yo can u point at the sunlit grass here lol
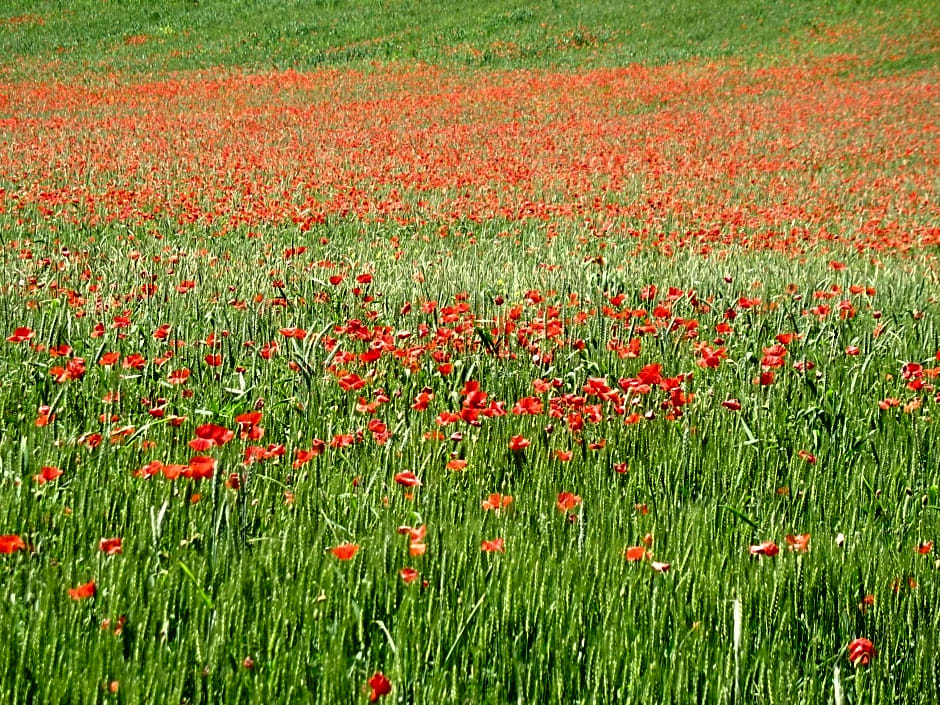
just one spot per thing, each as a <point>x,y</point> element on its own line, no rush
<point>490,379</point>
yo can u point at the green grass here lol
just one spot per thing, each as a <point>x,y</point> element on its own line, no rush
<point>93,36</point>
<point>561,616</point>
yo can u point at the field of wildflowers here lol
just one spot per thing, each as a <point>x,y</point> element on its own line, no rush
<point>529,362</point>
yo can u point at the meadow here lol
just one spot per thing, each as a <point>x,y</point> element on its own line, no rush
<point>502,353</point>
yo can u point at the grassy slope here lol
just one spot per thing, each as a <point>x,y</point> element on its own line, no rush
<point>91,34</point>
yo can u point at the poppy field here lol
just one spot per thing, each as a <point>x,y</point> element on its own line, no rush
<point>530,356</point>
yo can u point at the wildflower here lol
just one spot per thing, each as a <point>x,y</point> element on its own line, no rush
<point>495,502</point>
<point>380,686</point>
<point>201,467</point>
<point>177,376</point>
<point>209,435</point>
<point>407,478</point>
<point>567,501</point>
<point>83,592</point>
<point>11,543</point>
<point>111,547</point>
<point>861,651</point>
<point>20,335</point>
<point>493,545</point>
<point>344,551</point>
<point>518,443</point>
<point>47,474</point>
<point>768,548</point>
<point>798,542</point>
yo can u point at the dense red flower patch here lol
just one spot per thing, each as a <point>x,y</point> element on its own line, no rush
<point>704,154</point>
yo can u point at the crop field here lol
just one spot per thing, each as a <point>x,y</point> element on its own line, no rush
<point>536,352</point>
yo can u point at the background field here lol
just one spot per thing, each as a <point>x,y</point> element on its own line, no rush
<point>665,275</point>
<point>184,34</point>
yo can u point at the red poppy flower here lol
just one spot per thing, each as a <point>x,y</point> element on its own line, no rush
<point>925,547</point>
<point>768,548</point>
<point>531,406</point>
<point>380,685</point>
<point>493,545</point>
<point>249,418</point>
<point>408,575</point>
<point>298,333</point>
<point>175,470</point>
<point>201,467</point>
<point>177,376</point>
<point>135,361</point>
<point>798,542</point>
<point>495,502</point>
<point>109,358</point>
<point>866,602</point>
<point>302,456</point>
<point>567,501</point>
<point>417,548</point>
<point>766,378</point>
<point>518,443</point>
<point>268,350</point>
<point>44,416</point>
<point>861,651</point>
<point>11,543</point>
<point>48,474</point>
<point>414,533</point>
<point>636,553</point>
<point>342,440</point>
<point>456,464</point>
<point>807,456</point>
<point>112,547</point>
<point>407,479</point>
<point>201,445</point>
<point>20,335</point>
<point>345,551</point>
<point>215,435</point>
<point>74,369</point>
<point>83,592</point>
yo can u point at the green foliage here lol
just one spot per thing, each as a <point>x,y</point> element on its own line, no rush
<point>91,35</point>
<point>561,616</point>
